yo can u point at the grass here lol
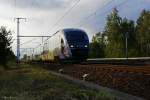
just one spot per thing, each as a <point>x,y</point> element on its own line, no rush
<point>27,82</point>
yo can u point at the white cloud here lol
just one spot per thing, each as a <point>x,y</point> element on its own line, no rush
<point>38,4</point>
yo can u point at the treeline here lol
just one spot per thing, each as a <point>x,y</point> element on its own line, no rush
<point>6,53</point>
<point>112,41</point>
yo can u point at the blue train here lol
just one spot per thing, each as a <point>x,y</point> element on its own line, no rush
<point>65,45</point>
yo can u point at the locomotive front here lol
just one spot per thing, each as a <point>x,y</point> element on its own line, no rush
<point>78,43</point>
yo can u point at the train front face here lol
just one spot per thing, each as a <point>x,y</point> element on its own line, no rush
<point>78,42</point>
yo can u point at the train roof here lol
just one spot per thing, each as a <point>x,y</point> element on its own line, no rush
<point>72,29</point>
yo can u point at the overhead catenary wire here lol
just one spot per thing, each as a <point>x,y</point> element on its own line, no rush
<point>71,9</point>
<point>28,41</point>
<point>61,18</point>
<point>64,15</point>
<point>94,13</point>
<point>84,22</point>
<point>120,4</point>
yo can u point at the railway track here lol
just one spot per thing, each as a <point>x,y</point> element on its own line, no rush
<point>132,76</point>
<point>143,69</point>
<point>129,61</point>
<point>132,79</point>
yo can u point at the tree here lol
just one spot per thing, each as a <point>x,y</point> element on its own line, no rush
<point>5,46</point>
<point>97,46</point>
<point>117,29</point>
<point>143,33</point>
<point>114,47</point>
<point>128,30</point>
<point>24,57</point>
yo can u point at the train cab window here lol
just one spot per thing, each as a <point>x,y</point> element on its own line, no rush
<point>76,36</point>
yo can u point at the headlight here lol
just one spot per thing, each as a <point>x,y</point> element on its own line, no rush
<point>71,46</point>
<point>85,46</point>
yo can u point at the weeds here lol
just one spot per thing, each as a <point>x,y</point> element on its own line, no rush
<point>33,83</point>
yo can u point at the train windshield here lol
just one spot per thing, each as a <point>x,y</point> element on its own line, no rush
<point>76,36</point>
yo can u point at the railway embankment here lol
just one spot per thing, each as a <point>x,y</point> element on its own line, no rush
<point>131,79</point>
<point>30,82</point>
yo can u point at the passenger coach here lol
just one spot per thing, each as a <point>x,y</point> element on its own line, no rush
<point>66,44</point>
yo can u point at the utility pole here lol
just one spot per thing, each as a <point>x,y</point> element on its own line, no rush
<point>127,35</point>
<point>18,39</point>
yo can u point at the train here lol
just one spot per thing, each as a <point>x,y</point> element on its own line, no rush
<point>64,46</point>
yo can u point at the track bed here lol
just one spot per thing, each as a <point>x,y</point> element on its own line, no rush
<point>132,79</point>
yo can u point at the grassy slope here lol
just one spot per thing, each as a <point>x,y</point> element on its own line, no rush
<point>34,83</point>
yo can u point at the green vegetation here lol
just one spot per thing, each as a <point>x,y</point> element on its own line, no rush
<point>112,41</point>
<point>143,33</point>
<point>6,53</point>
<point>33,83</point>
<point>97,46</point>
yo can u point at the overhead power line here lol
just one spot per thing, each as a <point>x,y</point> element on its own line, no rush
<point>28,41</point>
<point>18,39</point>
<point>33,38</point>
<point>85,22</point>
<point>94,13</point>
<point>120,4</point>
<point>64,15</point>
<point>60,19</point>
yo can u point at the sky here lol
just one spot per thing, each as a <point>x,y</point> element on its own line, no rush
<point>45,17</point>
